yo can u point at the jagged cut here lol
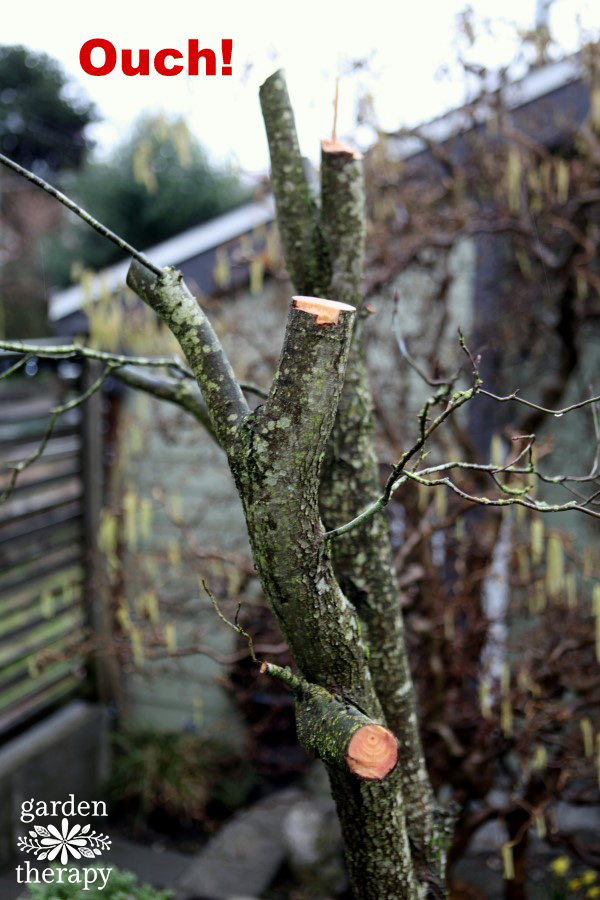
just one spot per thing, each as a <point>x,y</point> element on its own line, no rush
<point>329,146</point>
<point>372,752</point>
<point>326,312</point>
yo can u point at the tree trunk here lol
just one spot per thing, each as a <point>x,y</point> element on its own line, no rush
<point>349,647</point>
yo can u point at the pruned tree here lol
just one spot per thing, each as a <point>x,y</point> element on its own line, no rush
<point>305,465</point>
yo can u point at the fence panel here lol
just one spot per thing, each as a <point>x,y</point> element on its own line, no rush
<point>44,533</point>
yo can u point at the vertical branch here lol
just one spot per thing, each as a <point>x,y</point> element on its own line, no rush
<point>350,482</point>
<point>296,212</point>
<point>343,219</point>
<point>350,478</point>
<point>277,469</point>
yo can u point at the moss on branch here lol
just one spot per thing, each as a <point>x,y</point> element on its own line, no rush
<point>169,297</point>
<point>297,215</point>
<point>334,730</point>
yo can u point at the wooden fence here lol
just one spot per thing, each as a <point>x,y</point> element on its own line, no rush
<point>47,535</point>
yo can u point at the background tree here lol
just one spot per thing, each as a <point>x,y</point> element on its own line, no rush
<point>155,184</point>
<point>42,117</point>
<point>43,122</point>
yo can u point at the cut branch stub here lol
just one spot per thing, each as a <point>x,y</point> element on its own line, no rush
<point>326,312</point>
<point>372,752</point>
<point>329,146</point>
<point>341,735</point>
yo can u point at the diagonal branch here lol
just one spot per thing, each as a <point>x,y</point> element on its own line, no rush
<point>171,300</point>
<point>79,211</point>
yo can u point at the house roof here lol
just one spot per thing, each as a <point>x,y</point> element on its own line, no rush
<point>203,238</point>
<point>537,83</point>
<point>173,252</point>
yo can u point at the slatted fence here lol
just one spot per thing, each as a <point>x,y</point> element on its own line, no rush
<point>44,610</point>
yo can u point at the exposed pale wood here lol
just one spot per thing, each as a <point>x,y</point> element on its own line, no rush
<point>329,146</point>
<point>372,752</point>
<point>326,312</point>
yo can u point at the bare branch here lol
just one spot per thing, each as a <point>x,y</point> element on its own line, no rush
<point>550,412</point>
<point>69,351</point>
<point>296,211</point>
<point>90,220</point>
<point>235,625</point>
<point>402,346</point>
<point>170,298</point>
<point>16,366</point>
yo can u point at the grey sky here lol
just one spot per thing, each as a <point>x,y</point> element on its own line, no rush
<point>407,44</point>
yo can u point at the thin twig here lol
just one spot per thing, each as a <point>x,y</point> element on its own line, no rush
<point>82,213</point>
<point>68,351</point>
<point>551,412</point>
<point>54,414</point>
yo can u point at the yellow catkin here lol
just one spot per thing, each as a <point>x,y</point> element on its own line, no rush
<point>595,104</point>
<point>497,451</point>
<point>152,607</point>
<point>273,248</point>
<point>587,734</point>
<point>540,758</point>
<point>123,618</point>
<point>555,565</point>
<point>540,826</point>
<point>221,271</point>
<point>176,507</point>
<point>137,647</point>
<point>562,180</point>
<point>441,501</point>
<point>537,540</point>
<point>170,637</point>
<point>513,179</point>
<point>257,271</point>
<point>508,866</point>
<point>174,554</point>
<point>485,700</point>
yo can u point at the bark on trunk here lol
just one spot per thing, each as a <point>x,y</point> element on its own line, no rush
<point>349,649</point>
<point>362,559</point>
<point>275,454</point>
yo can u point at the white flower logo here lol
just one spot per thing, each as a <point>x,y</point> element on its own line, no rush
<point>47,843</point>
